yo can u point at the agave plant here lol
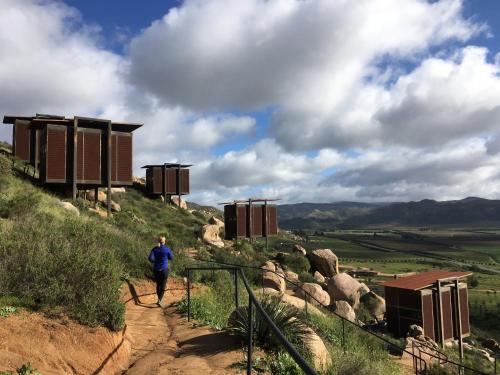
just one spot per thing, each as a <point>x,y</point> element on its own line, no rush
<point>284,317</point>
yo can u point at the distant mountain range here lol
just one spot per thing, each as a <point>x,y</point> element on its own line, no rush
<point>323,216</point>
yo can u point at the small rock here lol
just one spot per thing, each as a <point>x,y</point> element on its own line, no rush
<point>415,331</point>
<point>101,196</point>
<point>214,221</point>
<point>118,190</point>
<point>175,201</point>
<point>292,276</point>
<point>69,207</point>
<point>299,249</point>
<point>319,278</point>
<point>271,279</point>
<point>345,310</point>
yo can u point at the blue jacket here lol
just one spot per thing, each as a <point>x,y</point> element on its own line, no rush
<point>160,255</point>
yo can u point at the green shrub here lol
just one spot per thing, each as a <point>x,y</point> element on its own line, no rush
<point>5,166</point>
<point>284,317</point>
<point>26,369</point>
<point>282,364</point>
<point>295,262</point>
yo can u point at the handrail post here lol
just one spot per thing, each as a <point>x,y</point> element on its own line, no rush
<point>343,334</point>
<point>236,302</point>
<point>250,336</point>
<point>189,293</point>
<point>305,299</point>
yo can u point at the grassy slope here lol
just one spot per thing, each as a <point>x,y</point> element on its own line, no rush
<point>55,261</point>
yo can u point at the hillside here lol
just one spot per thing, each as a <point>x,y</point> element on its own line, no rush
<point>50,257</point>
<point>466,212</point>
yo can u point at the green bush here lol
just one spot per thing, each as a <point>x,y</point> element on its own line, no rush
<point>295,262</point>
<point>282,364</point>
<point>5,166</point>
<point>284,317</point>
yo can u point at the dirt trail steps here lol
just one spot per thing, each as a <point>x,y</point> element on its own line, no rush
<point>163,342</point>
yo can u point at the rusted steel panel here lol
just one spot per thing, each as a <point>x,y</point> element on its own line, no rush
<point>230,223</point>
<point>447,315</point>
<point>392,316</point>
<point>124,158</point>
<point>80,158</point>
<point>22,140</point>
<point>272,216</point>
<point>92,157</point>
<point>157,180</point>
<point>241,220</point>
<point>184,176</point>
<point>428,316</point>
<point>409,299</point>
<point>35,147</point>
<point>114,159</point>
<point>257,220</point>
<point>464,310</point>
<point>423,280</point>
<point>171,181</point>
<point>56,153</point>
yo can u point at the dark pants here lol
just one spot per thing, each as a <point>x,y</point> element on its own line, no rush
<point>161,282</point>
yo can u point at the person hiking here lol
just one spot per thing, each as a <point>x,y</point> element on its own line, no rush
<point>159,256</point>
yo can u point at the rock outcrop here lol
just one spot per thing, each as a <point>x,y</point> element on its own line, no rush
<point>101,196</point>
<point>345,310</point>
<point>325,261</point>
<point>315,291</point>
<point>343,287</point>
<point>374,304</point>
<point>210,234</point>
<point>214,221</point>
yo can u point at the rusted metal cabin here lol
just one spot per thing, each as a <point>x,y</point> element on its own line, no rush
<point>247,219</point>
<point>434,300</point>
<point>82,152</point>
<point>167,179</point>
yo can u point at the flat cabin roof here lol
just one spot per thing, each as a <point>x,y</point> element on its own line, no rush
<point>254,200</point>
<point>424,279</point>
<point>84,122</point>
<point>168,165</point>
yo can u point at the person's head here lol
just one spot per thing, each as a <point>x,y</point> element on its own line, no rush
<point>161,240</point>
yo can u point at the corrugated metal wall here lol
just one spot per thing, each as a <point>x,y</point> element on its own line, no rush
<point>56,153</point>
<point>22,140</point>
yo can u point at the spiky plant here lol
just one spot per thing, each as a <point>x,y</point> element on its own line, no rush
<point>284,317</point>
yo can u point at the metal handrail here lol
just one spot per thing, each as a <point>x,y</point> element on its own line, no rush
<point>306,293</point>
<point>252,300</point>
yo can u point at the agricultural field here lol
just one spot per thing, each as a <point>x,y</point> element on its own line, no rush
<point>401,251</point>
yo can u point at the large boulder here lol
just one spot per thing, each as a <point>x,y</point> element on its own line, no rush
<point>325,261</point>
<point>210,235</point>
<point>69,207</point>
<point>345,310</point>
<point>343,287</point>
<point>364,289</point>
<point>315,291</point>
<point>374,304</point>
<point>182,204</point>
<point>299,249</point>
<point>320,354</point>
<point>270,279</point>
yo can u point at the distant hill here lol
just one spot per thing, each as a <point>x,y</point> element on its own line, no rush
<point>321,215</point>
<point>466,212</point>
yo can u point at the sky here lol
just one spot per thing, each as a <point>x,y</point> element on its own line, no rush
<point>303,100</point>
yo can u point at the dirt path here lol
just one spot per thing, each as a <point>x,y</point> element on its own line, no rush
<point>163,342</point>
